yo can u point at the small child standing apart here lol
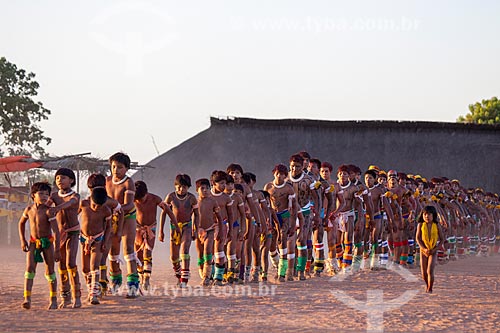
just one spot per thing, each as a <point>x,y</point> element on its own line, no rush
<point>41,242</point>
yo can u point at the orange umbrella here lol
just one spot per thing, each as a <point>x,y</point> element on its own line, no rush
<point>18,163</point>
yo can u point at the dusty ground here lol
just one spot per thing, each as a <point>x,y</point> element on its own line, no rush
<point>466,299</point>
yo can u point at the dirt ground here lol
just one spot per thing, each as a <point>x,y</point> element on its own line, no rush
<point>466,298</point>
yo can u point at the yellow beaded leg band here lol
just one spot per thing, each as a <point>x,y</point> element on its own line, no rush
<point>73,271</point>
<point>27,293</point>
<point>53,294</point>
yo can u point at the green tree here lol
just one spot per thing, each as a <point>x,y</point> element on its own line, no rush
<point>486,112</point>
<point>19,113</point>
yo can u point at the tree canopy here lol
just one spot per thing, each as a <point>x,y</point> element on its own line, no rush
<point>486,112</point>
<point>20,115</point>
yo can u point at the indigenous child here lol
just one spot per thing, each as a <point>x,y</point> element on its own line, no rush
<point>284,205</point>
<point>374,229</point>
<point>183,228</point>
<point>210,219</point>
<point>121,188</point>
<point>40,242</point>
<point>363,214</point>
<point>98,180</point>
<point>395,194</point>
<point>260,229</point>
<point>307,200</point>
<point>266,235</point>
<point>237,230</point>
<point>252,214</point>
<point>429,237</point>
<point>325,199</point>
<point>96,228</point>
<point>333,202</point>
<point>243,235</point>
<point>344,218</point>
<point>146,205</point>
<point>67,202</point>
<point>224,201</point>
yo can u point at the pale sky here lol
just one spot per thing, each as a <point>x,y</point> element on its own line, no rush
<point>117,73</point>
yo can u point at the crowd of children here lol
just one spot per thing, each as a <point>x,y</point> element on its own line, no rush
<point>304,223</point>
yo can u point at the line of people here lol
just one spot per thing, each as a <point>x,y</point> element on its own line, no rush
<point>303,222</point>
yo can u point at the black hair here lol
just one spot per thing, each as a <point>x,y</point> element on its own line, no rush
<point>429,209</point>
<point>39,186</point>
<point>371,173</point>
<point>315,161</point>
<point>183,180</point>
<point>246,177</point>
<point>266,194</point>
<point>230,179</point>
<point>68,173</point>
<point>218,176</point>
<point>253,177</point>
<point>239,187</point>
<point>297,158</point>
<point>281,168</point>
<point>202,181</point>
<point>234,167</point>
<point>305,155</point>
<point>95,180</point>
<point>141,189</point>
<point>99,195</point>
<point>120,158</point>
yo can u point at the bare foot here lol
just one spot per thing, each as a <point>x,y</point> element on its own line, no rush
<point>64,304</point>
<point>26,304</point>
<point>94,300</point>
<point>77,303</point>
<point>52,305</point>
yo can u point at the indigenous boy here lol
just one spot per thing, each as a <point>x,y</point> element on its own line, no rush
<point>335,201</point>
<point>67,203</point>
<point>395,194</point>
<point>345,218</point>
<point>97,180</point>
<point>121,188</point>
<point>261,228</point>
<point>283,202</point>
<point>237,230</point>
<point>183,228</point>
<point>307,200</point>
<point>40,242</point>
<point>242,235</point>
<point>224,201</point>
<point>210,220</point>
<point>374,229</point>
<point>325,199</point>
<point>429,237</point>
<point>363,211</point>
<point>266,235</point>
<point>252,216</point>
<point>146,205</point>
<point>96,230</point>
